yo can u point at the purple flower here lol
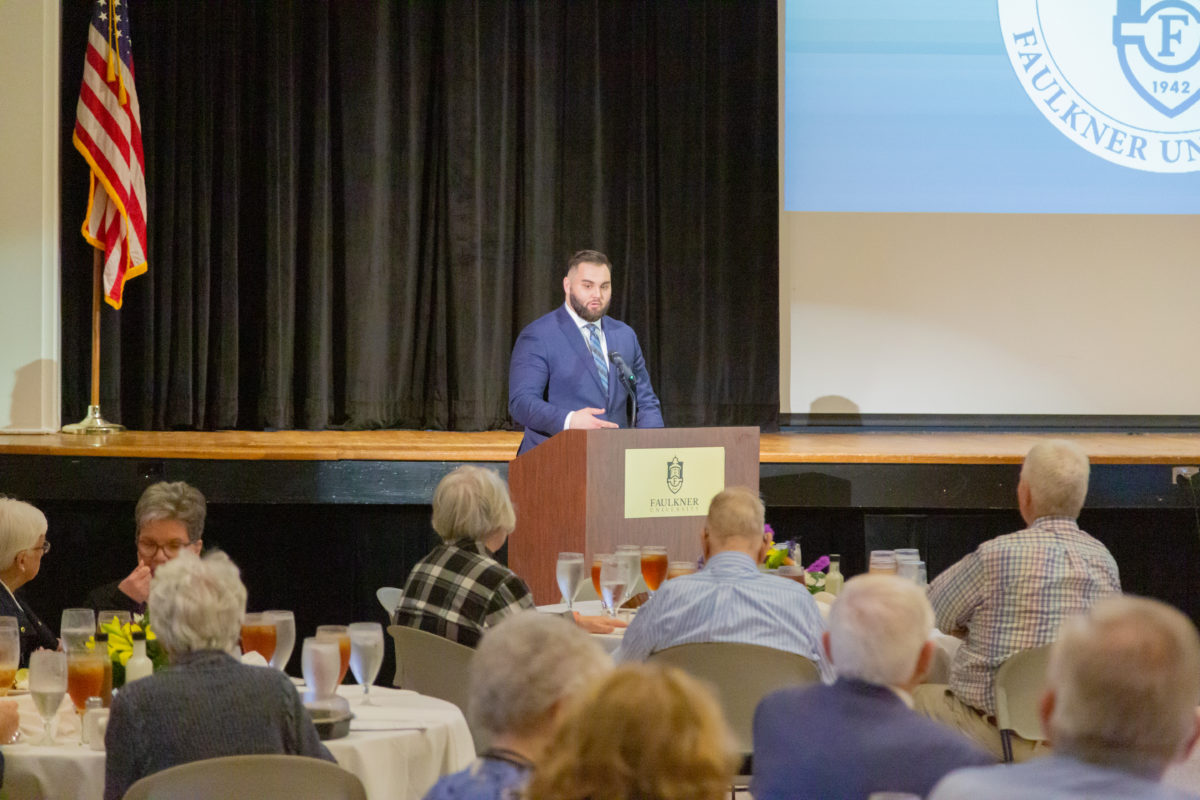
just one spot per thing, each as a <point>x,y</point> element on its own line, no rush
<point>819,565</point>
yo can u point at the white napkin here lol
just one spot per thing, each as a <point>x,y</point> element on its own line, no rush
<point>254,659</point>
<point>65,725</point>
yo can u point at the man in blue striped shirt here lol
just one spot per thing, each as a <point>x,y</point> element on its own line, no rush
<point>730,600</point>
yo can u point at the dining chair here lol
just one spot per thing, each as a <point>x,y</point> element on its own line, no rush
<point>435,666</point>
<point>389,598</point>
<point>1019,684</point>
<point>263,777</point>
<point>742,675</point>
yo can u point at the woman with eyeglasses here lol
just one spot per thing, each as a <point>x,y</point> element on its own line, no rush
<point>170,519</point>
<point>22,545</point>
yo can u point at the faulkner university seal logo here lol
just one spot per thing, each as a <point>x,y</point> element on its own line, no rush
<point>1119,78</point>
<point>675,475</point>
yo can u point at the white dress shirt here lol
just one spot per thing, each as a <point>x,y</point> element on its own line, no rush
<point>582,324</point>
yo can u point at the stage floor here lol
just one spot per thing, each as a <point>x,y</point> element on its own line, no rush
<point>501,446</point>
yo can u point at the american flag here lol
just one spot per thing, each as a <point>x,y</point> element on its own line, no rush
<point>108,133</point>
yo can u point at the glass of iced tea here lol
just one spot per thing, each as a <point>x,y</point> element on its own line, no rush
<point>597,560</point>
<point>654,566</point>
<point>792,572</point>
<point>341,635</point>
<point>883,562</point>
<point>10,655</point>
<point>677,568</point>
<point>258,634</point>
<point>85,678</point>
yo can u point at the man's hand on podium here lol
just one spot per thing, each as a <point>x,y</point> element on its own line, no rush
<point>589,419</point>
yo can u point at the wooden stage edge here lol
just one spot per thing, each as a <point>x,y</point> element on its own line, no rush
<point>501,446</point>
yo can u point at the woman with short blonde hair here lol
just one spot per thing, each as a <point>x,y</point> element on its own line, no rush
<point>458,590</point>
<point>646,732</point>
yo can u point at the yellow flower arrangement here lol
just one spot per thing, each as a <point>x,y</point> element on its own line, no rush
<point>120,638</point>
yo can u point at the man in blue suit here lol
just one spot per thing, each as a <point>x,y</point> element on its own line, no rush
<point>860,734</point>
<point>561,375</point>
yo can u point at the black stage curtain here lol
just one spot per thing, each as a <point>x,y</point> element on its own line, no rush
<point>356,206</point>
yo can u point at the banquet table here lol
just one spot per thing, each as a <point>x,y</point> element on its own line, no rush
<point>939,668</point>
<point>398,749</point>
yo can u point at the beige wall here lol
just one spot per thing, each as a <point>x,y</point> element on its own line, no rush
<point>29,306</point>
<point>989,314</point>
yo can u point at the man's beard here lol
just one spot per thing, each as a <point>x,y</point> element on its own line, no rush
<point>584,312</point>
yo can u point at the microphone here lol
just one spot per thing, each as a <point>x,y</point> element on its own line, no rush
<point>630,381</point>
<point>623,368</point>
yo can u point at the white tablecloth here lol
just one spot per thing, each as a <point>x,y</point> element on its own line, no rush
<point>398,749</point>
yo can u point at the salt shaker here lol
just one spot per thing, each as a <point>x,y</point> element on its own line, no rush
<point>90,707</point>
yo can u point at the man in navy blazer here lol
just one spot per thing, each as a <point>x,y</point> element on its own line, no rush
<point>860,734</point>
<point>561,375</point>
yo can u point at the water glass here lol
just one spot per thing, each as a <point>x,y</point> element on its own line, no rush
<point>285,637</point>
<point>47,685</point>
<point>78,625</point>
<point>907,569</point>
<point>366,653</point>
<point>630,556</point>
<point>883,562</point>
<point>569,572</point>
<point>613,577</point>
<point>320,661</point>
<point>907,554</point>
<point>123,618</point>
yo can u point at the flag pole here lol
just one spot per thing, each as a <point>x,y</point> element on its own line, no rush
<point>94,423</point>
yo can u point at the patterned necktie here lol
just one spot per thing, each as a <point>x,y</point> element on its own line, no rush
<point>598,355</point>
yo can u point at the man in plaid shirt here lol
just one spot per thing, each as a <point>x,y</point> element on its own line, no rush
<point>1014,592</point>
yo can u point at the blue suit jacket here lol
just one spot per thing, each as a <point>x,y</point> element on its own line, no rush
<point>552,373</point>
<point>847,740</point>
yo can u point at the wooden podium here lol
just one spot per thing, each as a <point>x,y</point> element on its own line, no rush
<point>569,494</point>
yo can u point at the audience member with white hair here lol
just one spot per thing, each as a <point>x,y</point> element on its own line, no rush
<point>1014,592</point>
<point>22,545</point>
<point>524,674</point>
<point>1119,706</point>
<point>458,589</point>
<point>206,704</point>
<point>859,735</point>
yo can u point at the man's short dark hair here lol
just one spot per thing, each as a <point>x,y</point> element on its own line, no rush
<point>588,257</point>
